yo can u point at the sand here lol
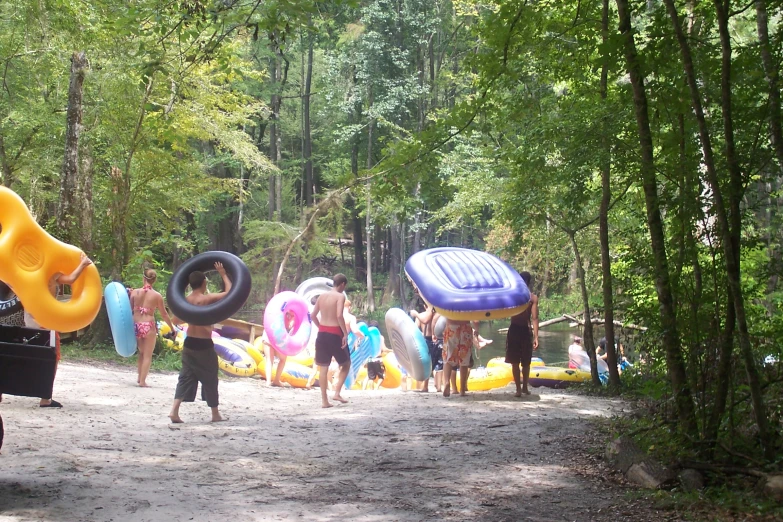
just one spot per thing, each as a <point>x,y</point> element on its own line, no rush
<point>112,454</point>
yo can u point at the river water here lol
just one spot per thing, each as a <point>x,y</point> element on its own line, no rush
<point>553,340</point>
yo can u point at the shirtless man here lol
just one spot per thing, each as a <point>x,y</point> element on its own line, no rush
<point>332,340</point>
<point>199,360</point>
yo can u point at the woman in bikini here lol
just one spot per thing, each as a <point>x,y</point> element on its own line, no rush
<point>145,301</point>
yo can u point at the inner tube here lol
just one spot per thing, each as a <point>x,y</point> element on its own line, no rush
<point>467,285</point>
<point>118,308</point>
<point>558,378</point>
<point>232,359</point>
<point>312,288</point>
<point>287,342</point>
<point>9,301</point>
<point>440,326</point>
<point>483,379</point>
<point>581,361</point>
<point>408,344</point>
<point>369,347</point>
<point>501,362</point>
<point>213,313</point>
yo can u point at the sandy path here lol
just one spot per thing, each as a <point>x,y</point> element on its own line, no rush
<point>111,454</point>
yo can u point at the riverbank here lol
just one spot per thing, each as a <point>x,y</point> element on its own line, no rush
<point>112,454</point>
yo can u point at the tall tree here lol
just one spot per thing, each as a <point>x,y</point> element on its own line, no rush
<point>67,207</point>
<point>670,336</point>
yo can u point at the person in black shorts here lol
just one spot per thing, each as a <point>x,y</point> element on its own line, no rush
<point>332,340</point>
<point>521,342</point>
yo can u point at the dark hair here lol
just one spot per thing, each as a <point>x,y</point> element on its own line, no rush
<point>339,279</point>
<point>196,279</point>
<point>374,323</point>
<point>526,277</point>
<point>602,343</point>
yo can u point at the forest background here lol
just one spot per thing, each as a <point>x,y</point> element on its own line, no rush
<point>627,153</point>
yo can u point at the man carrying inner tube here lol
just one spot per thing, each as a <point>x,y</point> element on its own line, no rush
<point>199,360</point>
<point>332,340</point>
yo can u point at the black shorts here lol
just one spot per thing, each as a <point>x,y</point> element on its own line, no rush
<point>436,354</point>
<point>328,345</point>
<point>376,370</point>
<point>519,345</point>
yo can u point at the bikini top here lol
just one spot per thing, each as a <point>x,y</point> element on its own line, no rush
<point>143,309</point>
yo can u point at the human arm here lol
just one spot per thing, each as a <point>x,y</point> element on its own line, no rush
<point>164,313</point>
<point>71,278</point>
<point>213,298</point>
<point>534,321</point>
<point>315,312</point>
<point>340,319</point>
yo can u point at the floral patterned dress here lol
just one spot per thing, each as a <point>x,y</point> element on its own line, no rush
<point>457,343</point>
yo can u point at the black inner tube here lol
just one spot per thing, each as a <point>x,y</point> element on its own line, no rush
<point>213,313</point>
<point>9,302</point>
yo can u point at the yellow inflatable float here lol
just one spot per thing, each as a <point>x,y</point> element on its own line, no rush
<point>483,379</point>
<point>501,362</point>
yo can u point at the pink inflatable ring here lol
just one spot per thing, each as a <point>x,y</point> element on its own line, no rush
<point>287,341</point>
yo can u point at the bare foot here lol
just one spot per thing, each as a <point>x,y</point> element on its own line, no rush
<point>175,419</point>
<point>144,385</point>
<point>327,405</point>
<point>526,391</point>
<point>462,393</point>
<point>219,419</point>
<point>339,399</point>
<point>518,393</point>
<point>446,391</point>
<point>276,384</point>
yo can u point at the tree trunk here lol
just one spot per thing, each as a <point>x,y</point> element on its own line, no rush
<point>670,336</point>
<point>67,220</point>
<point>603,220</point>
<point>733,234</point>
<point>84,207</point>
<point>589,341</point>
<point>771,74</point>
<point>392,290</point>
<point>119,213</point>
<point>358,246</point>
<point>368,223</point>
<point>274,117</point>
<point>308,142</point>
<point>729,241</point>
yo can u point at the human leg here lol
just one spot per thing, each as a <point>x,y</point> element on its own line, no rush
<point>525,378</point>
<point>322,380</point>
<point>146,346</point>
<point>464,372</point>
<point>515,373</point>
<point>447,371</point>
<point>207,373</point>
<point>187,384</point>
<point>47,402</point>
<point>280,368</point>
<point>344,369</point>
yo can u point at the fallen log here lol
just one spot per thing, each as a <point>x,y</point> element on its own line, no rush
<point>598,320</point>
<point>575,321</point>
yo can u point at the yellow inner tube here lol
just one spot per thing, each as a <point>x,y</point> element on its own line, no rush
<point>500,362</point>
<point>483,379</point>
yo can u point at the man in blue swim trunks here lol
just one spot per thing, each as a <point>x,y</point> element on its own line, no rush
<point>332,340</point>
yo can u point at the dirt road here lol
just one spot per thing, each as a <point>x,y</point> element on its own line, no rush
<point>111,454</point>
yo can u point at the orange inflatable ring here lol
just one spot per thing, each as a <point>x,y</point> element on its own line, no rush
<point>30,257</point>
